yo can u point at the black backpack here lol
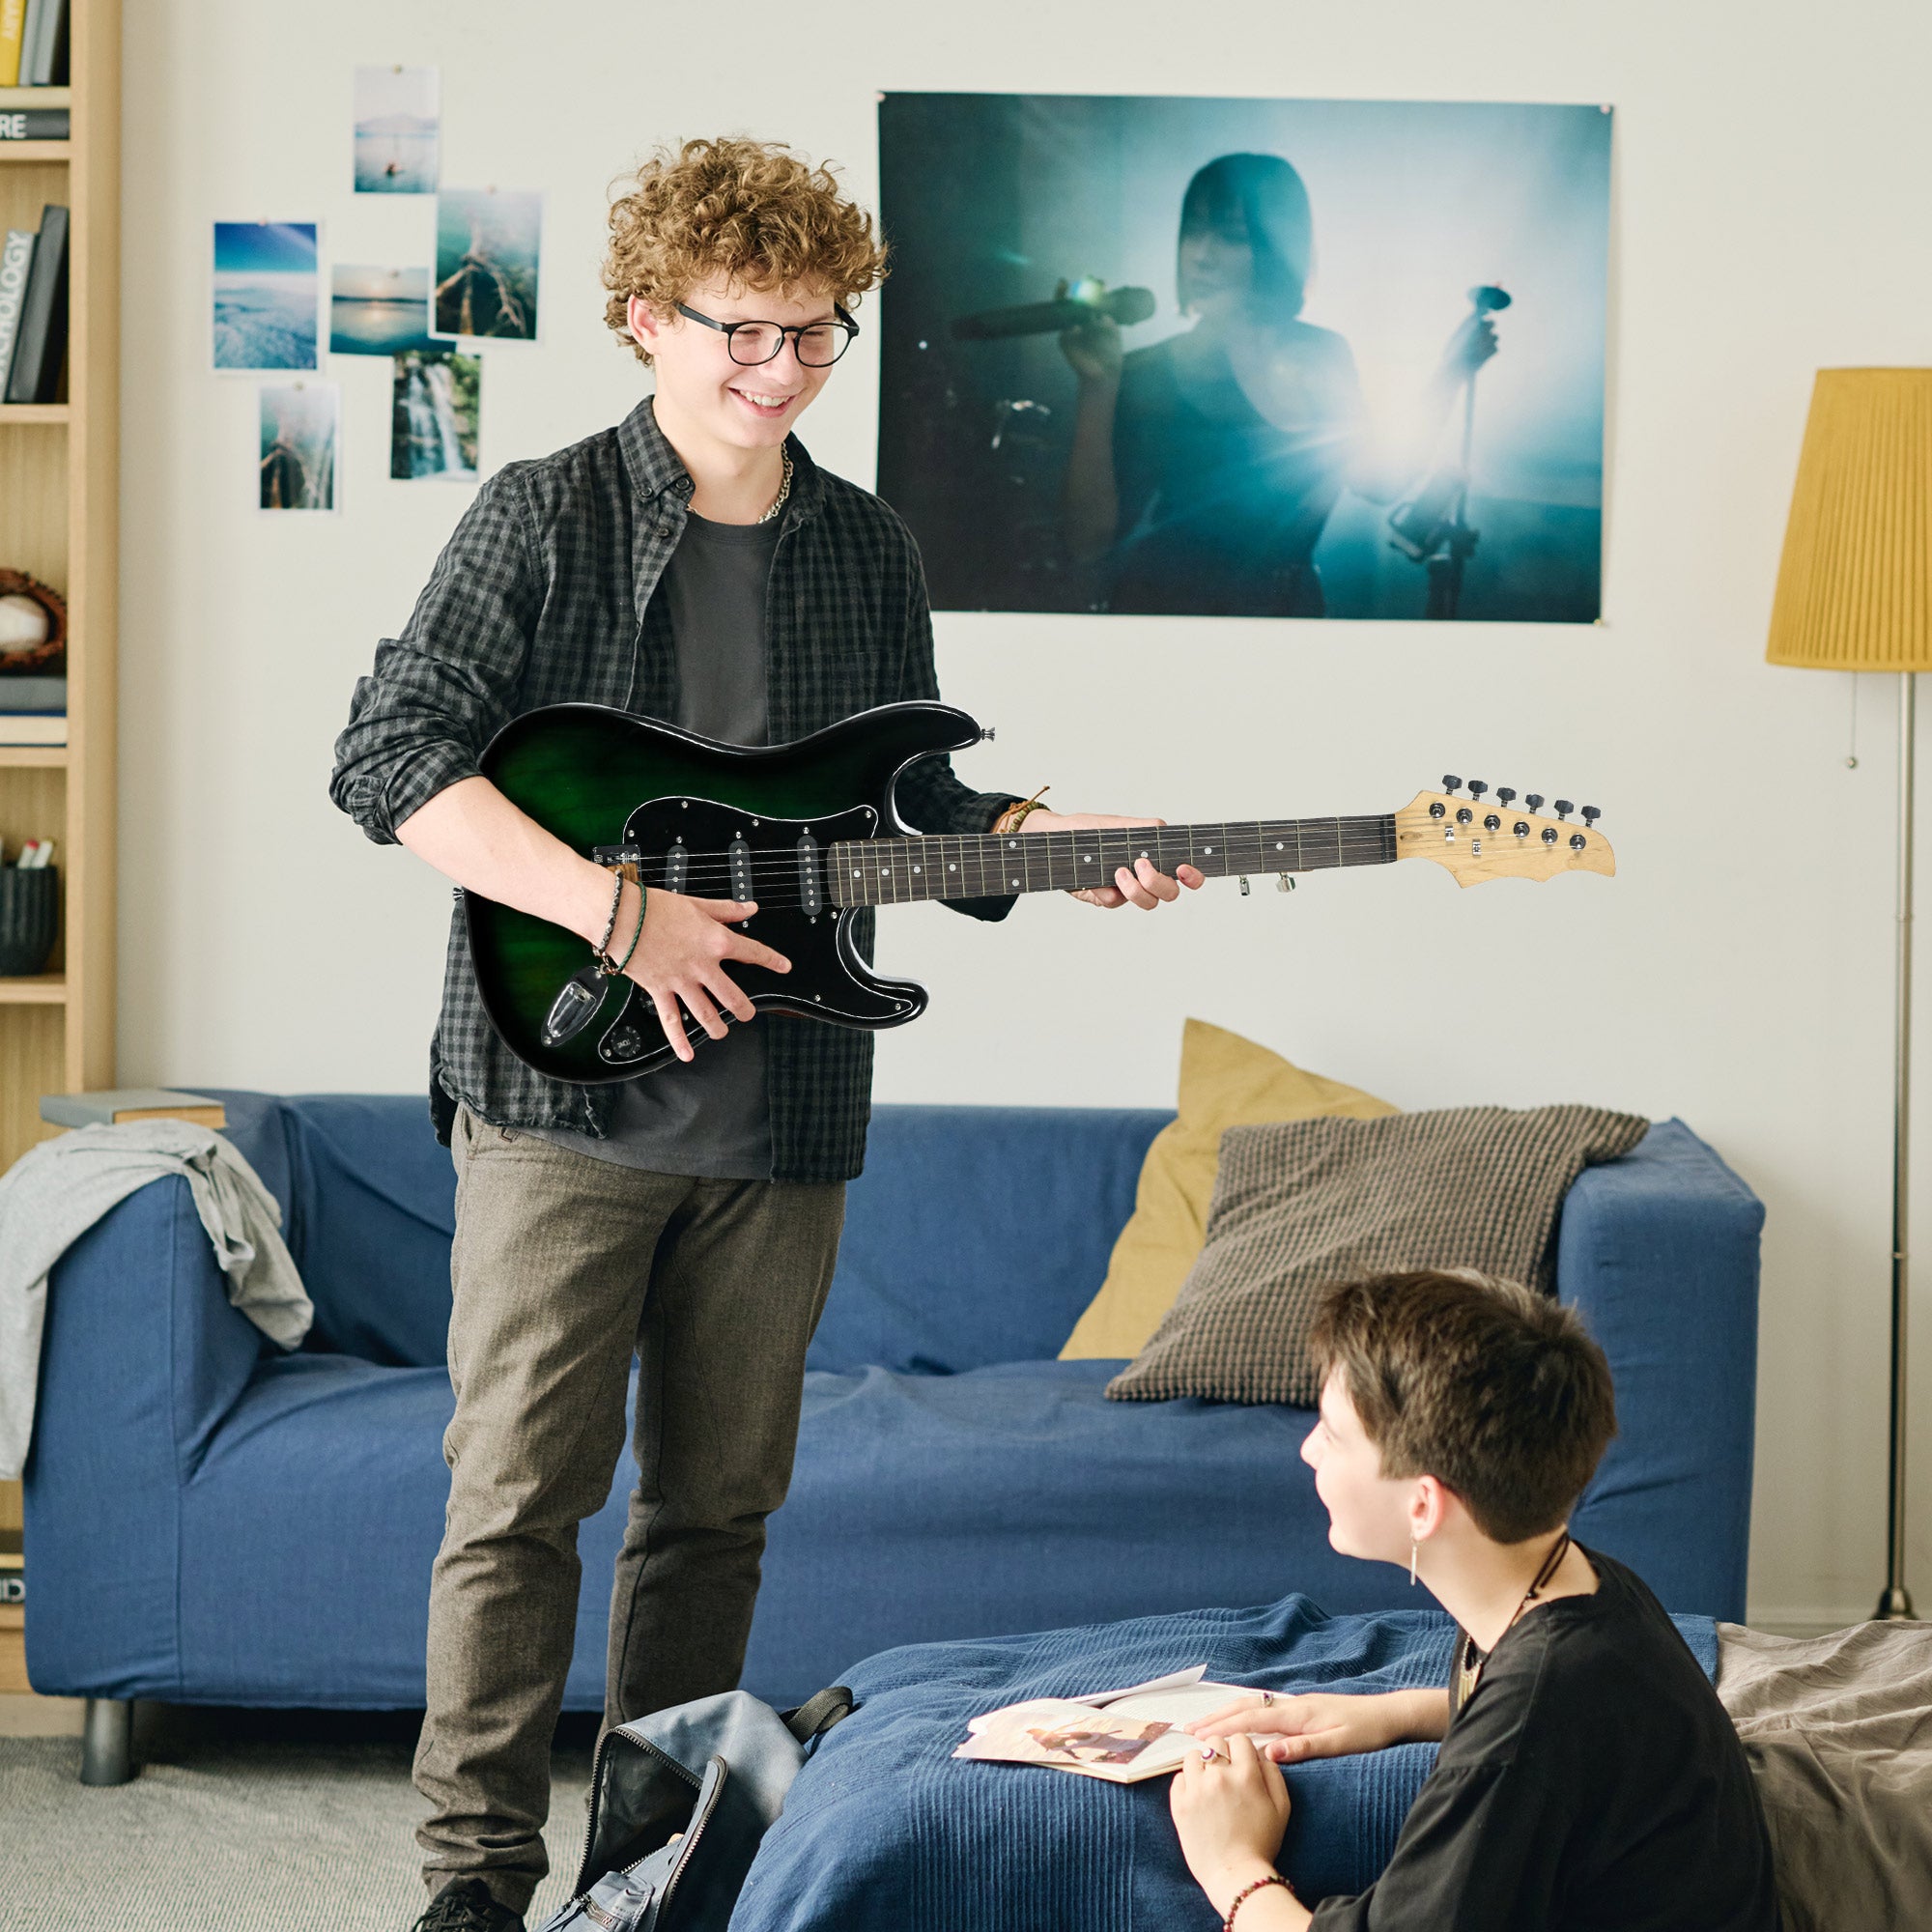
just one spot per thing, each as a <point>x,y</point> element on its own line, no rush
<point>678,1804</point>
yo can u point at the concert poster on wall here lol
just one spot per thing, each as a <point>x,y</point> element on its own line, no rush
<point>1249,358</point>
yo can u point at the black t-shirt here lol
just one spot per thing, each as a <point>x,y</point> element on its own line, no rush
<point>1592,1780</point>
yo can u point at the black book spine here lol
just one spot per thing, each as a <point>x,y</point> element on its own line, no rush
<point>35,123</point>
<point>41,343</point>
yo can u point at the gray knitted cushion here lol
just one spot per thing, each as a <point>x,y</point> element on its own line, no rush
<point>1300,1204</point>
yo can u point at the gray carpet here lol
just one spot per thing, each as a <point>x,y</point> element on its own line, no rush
<point>223,1832</point>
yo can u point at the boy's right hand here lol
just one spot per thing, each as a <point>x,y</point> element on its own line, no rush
<point>681,955</point>
<point>1319,1724</point>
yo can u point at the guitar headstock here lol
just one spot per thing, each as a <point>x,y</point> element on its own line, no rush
<point>1490,837</point>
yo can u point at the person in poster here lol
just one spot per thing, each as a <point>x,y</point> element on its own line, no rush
<point>1204,468</point>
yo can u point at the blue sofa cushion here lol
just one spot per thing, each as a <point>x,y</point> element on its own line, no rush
<point>884,1829</point>
<point>978,1234</point>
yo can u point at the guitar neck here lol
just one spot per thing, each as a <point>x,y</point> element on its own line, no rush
<point>894,871</point>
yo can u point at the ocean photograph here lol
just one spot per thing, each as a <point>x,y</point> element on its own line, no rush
<point>487,248</point>
<point>377,311</point>
<point>397,130</point>
<point>265,294</point>
<point>436,415</point>
<point>300,433</point>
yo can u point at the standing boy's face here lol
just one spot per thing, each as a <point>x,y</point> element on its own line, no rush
<point>749,408</point>
<point>1368,1511</point>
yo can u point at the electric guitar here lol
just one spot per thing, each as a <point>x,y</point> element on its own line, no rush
<point>810,831</point>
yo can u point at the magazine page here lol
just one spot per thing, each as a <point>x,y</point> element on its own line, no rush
<point>1122,1736</point>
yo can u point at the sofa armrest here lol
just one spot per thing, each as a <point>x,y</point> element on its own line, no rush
<point>1658,1251</point>
<point>141,1358</point>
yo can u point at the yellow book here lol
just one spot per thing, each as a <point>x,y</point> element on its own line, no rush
<point>12,18</point>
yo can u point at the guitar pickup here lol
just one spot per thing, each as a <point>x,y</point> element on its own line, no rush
<point>677,867</point>
<point>739,855</point>
<point>810,894</point>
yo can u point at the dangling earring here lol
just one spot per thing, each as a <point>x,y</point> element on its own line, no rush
<point>1412,1561</point>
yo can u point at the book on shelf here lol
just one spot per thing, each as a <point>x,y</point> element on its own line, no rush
<point>33,727</point>
<point>12,20</point>
<point>115,1106</point>
<point>35,123</point>
<point>43,44</point>
<point>32,695</point>
<point>40,343</point>
<point>16,259</point>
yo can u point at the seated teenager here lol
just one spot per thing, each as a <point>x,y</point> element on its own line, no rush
<point>1588,1775</point>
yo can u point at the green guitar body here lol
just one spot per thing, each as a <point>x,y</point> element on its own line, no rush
<point>600,778</point>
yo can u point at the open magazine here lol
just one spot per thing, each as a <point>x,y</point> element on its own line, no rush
<point>1123,1736</point>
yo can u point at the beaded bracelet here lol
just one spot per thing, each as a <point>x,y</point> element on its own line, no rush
<point>1247,1891</point>
<point>605,964</point>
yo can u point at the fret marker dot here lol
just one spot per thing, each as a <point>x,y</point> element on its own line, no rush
<point>1012,844</point>
<point>1015,882</point>
<point>914,868</point>
<point>1277,845</point>
<point>1207,848</point>
<point>952,868</point>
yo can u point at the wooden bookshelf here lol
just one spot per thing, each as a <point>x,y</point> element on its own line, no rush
<point>59,487</point>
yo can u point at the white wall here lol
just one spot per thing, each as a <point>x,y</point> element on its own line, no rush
<point>1771,179</point>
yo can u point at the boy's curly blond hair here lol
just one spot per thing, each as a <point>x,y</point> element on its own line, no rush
<point>751,210</point>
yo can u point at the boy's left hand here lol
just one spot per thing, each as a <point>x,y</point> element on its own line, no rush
<point>1230,1812</point>
<point>1144,886</point>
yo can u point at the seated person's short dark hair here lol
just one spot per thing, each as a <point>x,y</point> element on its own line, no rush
<point>1496,1390</point>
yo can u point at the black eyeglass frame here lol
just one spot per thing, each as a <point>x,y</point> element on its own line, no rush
<point>730,329</point>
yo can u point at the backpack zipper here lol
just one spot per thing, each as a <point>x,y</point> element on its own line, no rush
<point>596,1793</point>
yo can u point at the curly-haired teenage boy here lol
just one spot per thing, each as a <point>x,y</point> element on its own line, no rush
<point>1588,1775</point>
<point>690,564</point>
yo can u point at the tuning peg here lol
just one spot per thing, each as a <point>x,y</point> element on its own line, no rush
<point>1450,783</point>
<point>1534,800</point>
<point>1590,815</point>
<point>1504,793</point>
<point>1563,807</point>
<point>1477,788</point>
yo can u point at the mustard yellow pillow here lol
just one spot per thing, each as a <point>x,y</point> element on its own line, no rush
<point>1225,1082</point>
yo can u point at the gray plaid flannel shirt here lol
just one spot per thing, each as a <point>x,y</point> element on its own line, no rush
<point>543,596</point>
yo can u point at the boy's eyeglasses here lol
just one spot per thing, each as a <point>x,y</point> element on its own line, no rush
<point>820,344</point>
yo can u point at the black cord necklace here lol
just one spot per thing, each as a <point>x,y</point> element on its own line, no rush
<point>1470,1660</point>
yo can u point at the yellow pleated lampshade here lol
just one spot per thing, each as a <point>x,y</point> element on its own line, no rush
<point>1855,584</point>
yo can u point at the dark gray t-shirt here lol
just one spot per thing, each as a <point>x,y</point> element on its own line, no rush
<point>710,1116</point>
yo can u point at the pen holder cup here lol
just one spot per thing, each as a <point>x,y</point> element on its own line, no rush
<point>29,918</point>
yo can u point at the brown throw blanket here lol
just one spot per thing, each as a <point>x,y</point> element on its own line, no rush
<point>1300,1204</point>
<point>1838,1730</point>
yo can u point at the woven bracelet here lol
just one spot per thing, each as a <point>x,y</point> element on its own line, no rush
<point>605,964</point>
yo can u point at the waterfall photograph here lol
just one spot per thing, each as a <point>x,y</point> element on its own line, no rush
<point>432,425</point>
<point>301,428</point>
<point>397,130</point>
<point>486,246</point>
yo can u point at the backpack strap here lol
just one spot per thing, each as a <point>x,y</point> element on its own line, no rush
<point>818,1715</point>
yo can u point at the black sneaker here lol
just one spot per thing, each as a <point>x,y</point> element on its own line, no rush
<point>467,1906</point>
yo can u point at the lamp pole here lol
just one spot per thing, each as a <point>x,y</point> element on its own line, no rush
<point>1896,1602</point>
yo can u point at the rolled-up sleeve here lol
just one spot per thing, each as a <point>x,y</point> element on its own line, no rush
<point>930,796</point>
<point>440,692</point>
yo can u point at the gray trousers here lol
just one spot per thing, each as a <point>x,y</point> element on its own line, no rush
<point>563,1266</point>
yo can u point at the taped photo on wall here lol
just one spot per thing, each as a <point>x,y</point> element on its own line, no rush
<point>398,130</point>
<point>301,435</point>
<point>266,295</point>
<point>489,244</point>
<point>377,311</point>
<point>435,417</point>
<point>1305,358</point>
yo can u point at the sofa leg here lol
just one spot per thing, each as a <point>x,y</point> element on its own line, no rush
<point>107,1741</point>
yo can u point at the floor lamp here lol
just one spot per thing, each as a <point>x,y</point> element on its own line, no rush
<point>1855,593</point>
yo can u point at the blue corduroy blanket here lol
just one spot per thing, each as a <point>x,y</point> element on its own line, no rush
<point>885,1829</point>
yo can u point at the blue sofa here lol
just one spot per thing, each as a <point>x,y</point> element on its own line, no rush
<point>211,1521</point>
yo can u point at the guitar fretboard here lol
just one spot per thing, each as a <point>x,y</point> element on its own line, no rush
<point>893,871</point>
